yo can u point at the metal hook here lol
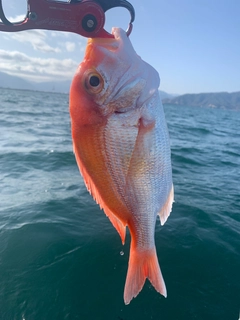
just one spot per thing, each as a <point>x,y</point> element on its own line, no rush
<point>84,17</point>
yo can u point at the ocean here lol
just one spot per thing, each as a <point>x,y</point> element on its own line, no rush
<point>60,257</point>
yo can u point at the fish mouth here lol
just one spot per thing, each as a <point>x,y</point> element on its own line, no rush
<point>120,111</point>
<point>120,42</point>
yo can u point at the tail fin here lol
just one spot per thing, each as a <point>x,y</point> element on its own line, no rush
<point>142,265</point>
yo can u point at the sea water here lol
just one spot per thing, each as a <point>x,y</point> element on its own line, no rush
<point>60,257</point>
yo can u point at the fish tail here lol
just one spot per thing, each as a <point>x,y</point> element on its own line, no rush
<point>142,265</point>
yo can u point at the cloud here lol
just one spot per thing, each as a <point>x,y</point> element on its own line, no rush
<point>56,34</point>
<point>73,43</point>
<point>70,46</point>
<point>36,69</point>
<point>36,38</point>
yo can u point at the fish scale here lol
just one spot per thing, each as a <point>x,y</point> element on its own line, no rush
<point>119,143</point>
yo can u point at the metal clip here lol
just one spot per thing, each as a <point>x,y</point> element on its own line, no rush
<point>84,17</point>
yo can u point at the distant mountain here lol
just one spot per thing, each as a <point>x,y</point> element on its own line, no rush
<point>54,86</point>
<point>165,95</point>
<point>221,100</point>
<point>13,82</point>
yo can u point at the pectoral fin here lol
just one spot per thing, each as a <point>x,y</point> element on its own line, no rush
<point>118,225</point>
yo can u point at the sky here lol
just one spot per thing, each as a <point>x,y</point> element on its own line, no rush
<point>193,44</point>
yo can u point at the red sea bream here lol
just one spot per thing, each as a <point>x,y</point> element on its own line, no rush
<point>121,144</point>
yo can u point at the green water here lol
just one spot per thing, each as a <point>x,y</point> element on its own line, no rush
<point>60,257</point>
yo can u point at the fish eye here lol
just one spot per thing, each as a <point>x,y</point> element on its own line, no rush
<point>93,82</point>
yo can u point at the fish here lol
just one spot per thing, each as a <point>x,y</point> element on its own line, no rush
<point>121,144</point>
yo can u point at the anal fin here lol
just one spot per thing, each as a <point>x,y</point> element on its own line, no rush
<point>167,208</point>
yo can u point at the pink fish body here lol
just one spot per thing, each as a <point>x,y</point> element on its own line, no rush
<point>121,144</point>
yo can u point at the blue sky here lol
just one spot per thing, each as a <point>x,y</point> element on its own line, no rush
<point>193,44</point>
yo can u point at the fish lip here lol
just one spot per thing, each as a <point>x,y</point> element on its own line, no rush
<point>120,111</point>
